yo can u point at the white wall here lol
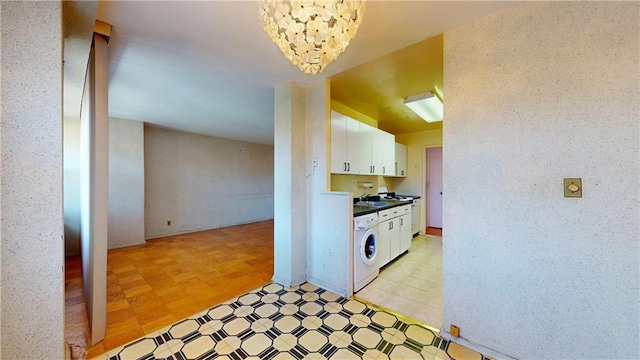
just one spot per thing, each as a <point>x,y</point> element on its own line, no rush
<point>79,18</point>
<point>71,150</point>
<point>329,215</point>
<point>94,188</point>
<point>534,94</point>
<point>290,224</point>
<point>31,221</point>
<point>126,183</point>
<point>201,182</point>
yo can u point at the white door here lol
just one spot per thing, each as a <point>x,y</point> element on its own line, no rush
<point>434,187</point>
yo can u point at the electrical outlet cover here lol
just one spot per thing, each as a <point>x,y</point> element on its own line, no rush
<point>573,187</point>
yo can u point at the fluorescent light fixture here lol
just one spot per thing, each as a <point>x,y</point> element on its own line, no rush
<point>428,106</point>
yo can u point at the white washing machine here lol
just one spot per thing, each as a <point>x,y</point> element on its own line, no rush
<point>365,241</point>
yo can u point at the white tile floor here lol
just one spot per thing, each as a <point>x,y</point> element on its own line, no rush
<point>412,284</point>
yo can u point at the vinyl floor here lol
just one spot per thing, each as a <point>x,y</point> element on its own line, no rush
<point>411,284</point>
<point>305,322</point>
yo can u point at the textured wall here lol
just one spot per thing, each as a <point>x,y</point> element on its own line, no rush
<point>290,225</point>
<point>32,282</point>
<point>536,93</point>
<point>329,215</point>
<point>201,182</point>
<point>71,151</point>
<point>126,183</point>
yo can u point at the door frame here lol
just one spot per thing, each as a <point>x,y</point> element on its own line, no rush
<point>425,192</point>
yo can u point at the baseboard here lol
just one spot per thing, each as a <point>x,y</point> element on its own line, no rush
<point>157,236</point>
<point>474,346</point>
<point>280,280</point>
<point>320,284</point>
<point>118,246</point>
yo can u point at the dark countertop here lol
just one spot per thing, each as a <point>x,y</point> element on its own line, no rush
<point>364,210</point>
<point>411,196</point>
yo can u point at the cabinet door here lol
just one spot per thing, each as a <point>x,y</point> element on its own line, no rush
<point>384,242</point>
<point>377,137</point>
<point>366,139</point>
<point>405,232</point>
<point>338,143</point>
<point>394,241</point>
<point>401,160</point>
<point>388,144</point>
<point>354,144</point>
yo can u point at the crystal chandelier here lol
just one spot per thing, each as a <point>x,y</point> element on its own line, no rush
<point>311,33</point>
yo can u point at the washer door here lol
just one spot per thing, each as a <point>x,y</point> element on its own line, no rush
<point>369,247</point>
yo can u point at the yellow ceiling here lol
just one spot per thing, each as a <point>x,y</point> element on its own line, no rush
<point>378,88</point>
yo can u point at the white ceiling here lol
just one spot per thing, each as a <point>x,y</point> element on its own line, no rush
<point>209,68</point>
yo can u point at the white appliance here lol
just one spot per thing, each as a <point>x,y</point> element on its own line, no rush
<point>415,217</point>
<point>365,241</point>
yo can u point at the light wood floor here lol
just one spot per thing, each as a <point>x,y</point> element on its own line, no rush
<point>151,286</point>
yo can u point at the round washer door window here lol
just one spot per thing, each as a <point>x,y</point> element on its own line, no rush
<point>369,248</point>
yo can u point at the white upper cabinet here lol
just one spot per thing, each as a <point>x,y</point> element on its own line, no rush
<point>376,151</point>
<point>379,157</point>
<point>366,156</point>
<point>388,142</point>
<point>357,148</point>
<point>401,160</point>
<point>345,144</point>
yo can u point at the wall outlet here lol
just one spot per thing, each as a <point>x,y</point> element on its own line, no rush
<point>168,222</point>
<point>454,331</point>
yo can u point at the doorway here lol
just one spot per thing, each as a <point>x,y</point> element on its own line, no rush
<point>412,284</point>
<point>433,191</point>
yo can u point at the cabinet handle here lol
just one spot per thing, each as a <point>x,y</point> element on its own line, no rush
<point>390,225</point>
<point>374,169</point>
<point>401,222</point>
<point>349,167</point>
<point>345,166</point>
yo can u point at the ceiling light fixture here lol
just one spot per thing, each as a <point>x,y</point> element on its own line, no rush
<point>311,34</point>
<point>428,106</point>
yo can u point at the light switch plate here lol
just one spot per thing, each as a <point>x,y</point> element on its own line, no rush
<point>573,187</point>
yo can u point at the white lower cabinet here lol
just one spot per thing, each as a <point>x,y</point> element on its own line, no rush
<point>394,233</point>
<point>405,232</point>
<point>394,238</point>
<point>384,243</point>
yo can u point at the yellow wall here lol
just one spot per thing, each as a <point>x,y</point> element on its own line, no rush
<point>413,184</point>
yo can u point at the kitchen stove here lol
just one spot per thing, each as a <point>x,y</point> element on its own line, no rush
<point>393,196</point>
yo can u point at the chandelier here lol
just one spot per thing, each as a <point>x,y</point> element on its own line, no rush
<point>311,33</point>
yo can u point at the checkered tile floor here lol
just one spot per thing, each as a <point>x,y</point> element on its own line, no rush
<point>276,322</point>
